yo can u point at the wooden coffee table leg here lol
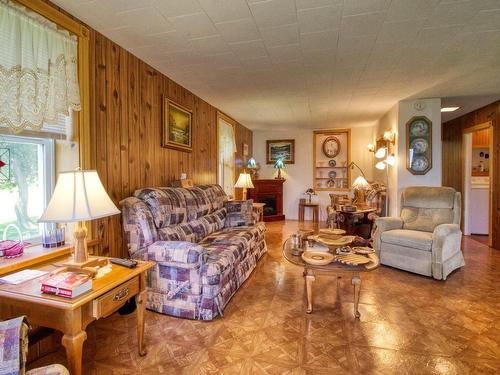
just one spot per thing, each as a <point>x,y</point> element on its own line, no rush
<point>309,280</point>
<point>356,281</point>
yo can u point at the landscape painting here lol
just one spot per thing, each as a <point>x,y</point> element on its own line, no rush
<point>177,126</point>
<point>281,149</point>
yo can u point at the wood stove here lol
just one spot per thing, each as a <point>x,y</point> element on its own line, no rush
<point>270,192</point>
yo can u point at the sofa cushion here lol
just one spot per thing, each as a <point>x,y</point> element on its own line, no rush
<point>239,213</point>
<point>215,195</point>
<point>167,205</point>
<point>408,238</point>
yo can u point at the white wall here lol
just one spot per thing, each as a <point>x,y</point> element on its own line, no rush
<point>432,111</point>
<point>299,176</point>
<point>398,176</point>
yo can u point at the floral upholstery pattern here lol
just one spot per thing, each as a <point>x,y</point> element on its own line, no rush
<point>14,350</point>
<point>204,247</point>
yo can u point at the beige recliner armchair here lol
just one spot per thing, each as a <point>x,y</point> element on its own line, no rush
<point>426,238</point>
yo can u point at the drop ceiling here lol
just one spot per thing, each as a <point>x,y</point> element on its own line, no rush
<point>279,64</point>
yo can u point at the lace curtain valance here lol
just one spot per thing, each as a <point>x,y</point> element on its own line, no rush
<point>38,69</point>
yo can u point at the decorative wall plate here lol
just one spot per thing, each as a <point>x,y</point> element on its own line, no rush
<point>332,174</point>
<point>419,145</point>
<point>332,163</point>
<point>331,146</point>
<point>317,259</point>
<point>420,163</point>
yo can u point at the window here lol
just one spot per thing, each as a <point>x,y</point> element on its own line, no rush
<point>226,156</point>
<point>26,184</point>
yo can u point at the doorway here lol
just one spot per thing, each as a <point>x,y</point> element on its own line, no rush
<point>477,143</point>
<point>226,148</point>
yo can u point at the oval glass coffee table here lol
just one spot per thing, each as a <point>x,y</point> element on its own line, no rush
<point>334,269</point>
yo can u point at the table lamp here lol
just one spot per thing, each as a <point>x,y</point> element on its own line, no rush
<point>279,165</point>
<point>245,182</point>
<point>360,185</point>
<point>78,196</point>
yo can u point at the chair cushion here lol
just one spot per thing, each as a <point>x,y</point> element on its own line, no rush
<point>408,238</point>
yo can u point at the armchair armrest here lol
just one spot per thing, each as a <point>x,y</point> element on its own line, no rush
<point>239,213</point>
<point>383,224</point>
<point>177,253</point>
<point>446,241</point>
<point>388,223</point>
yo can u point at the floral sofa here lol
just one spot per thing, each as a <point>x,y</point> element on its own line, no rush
<point>204,246</point>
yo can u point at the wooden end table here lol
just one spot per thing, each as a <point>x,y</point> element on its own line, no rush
<point>346,220</point>
<point>332,269</point>
<point>313,206</point>
<point>72,316</point>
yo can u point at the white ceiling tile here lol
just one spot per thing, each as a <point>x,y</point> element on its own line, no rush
<point>307,4</point>
<point>275,36</point>
<point>174,8</point>
<point>456,13</point>
<point>238,31</point>
<point>272,13</point>
<point>318,63</point>
<point>363,24</point>
<point>402,31</point>
<point>354,7</point>
<point>210,45</point>
<point>225,10</point>
<point>285,53</point>
<point>248,50</point>
<point>319,40</point>
<point>319,19</point>
<point>194,25</point>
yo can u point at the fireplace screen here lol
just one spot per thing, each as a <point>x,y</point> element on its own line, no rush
<point>271,204</point>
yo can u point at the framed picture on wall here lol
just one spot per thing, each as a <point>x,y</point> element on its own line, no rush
<point>177,126</point>
<point>419,145</point>
<point>280,149</point>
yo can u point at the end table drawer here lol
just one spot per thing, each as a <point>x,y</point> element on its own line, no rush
<point>115,298</point>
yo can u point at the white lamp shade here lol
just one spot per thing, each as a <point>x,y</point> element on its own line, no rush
<point>78,196</point>
<point>244,181</point>
<point>360,183</point>
<point>380,165</point>
<point>380,153</point>
<point>391,160</point>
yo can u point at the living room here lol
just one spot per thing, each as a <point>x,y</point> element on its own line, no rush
<point>249,186</point>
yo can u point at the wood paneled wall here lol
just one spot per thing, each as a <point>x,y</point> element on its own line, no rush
<point>453,158</point>
<point>126,130</point>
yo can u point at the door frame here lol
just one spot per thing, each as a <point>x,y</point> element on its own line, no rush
<point>470,130</point>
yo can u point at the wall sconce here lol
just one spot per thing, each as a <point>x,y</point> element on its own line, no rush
<point>383,145</point>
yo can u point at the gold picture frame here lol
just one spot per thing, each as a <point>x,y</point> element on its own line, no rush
<point>177,127</point>
<point>280,148</point>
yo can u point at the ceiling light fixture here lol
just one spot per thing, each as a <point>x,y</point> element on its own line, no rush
<point>449,109</point>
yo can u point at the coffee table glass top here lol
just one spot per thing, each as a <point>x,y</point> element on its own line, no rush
<point>297,260</point>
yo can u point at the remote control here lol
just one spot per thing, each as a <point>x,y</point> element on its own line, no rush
<point>129,263</point>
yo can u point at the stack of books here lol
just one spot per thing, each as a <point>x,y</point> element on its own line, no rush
<point>66,284</point>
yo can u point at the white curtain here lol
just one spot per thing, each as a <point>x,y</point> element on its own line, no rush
<point>38,70</point>
<point>227,148</point>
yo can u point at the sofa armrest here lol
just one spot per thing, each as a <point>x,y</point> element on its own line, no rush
<point>239,213</point>
<point>446,241</point>
<point>177,253</point>
<point>138,226</point>
<point>384,224</point>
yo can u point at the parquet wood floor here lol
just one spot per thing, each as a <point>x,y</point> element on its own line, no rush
<point>409,325</point>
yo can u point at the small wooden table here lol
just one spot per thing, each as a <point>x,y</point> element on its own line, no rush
<point>346,221</point>
<point>314,207</point>
<point>259,209</point>
<point>72,316</point>
<point>333,269</point>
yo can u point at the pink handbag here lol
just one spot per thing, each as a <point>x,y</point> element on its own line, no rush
<point>11,248</point>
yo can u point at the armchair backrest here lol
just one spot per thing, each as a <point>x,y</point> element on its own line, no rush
<point>423,207</point>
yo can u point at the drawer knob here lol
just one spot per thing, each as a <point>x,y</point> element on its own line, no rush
<point>121,295</point>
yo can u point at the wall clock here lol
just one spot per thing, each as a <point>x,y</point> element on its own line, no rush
<point>331,146</point>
